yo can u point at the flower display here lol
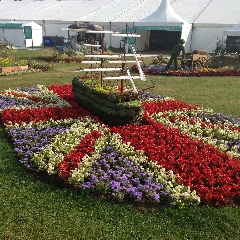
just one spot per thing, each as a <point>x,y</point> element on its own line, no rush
<point>9,62</point>
<point>120,177</point>
<point>178,155</point>
<point>209,72</point>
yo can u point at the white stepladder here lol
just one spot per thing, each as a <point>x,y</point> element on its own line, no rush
<point>119,75</point>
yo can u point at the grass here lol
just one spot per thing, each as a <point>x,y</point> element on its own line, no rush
<point>33,209</point>
<point>218,93</point>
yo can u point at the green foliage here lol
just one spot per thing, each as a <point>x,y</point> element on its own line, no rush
<point>225,61</point>
<point>9,62</point>
<point>107,103</point>
<point>5,49</point>
<point>33,64</point>
<point>6,58</point>
<point>160,59</point>
<point>220,46</point>
<point>48,52</point>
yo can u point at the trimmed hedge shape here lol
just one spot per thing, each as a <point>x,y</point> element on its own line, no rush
<point>113,108</point>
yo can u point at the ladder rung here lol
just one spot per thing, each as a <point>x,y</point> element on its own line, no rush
<point>125,35</point>
<point>91,45</point>
<point>99,69</point>
<point>90,62</point>
<point>128,61</point>
<point>121,77</point>
<point>103,56</point>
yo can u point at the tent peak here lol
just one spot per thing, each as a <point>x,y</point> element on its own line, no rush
<point>164,14</point>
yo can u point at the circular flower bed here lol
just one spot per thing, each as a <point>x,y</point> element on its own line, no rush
<point>179,155</point>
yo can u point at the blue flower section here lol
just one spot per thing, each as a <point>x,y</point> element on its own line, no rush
<point>155,68</point>
<point>115,175</point>
<point>6,102</point>
<point>219,117</point>
<point>148,95</point>
<point>28,140</point>
<point>30,90</point>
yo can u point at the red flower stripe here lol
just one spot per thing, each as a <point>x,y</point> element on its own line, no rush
<point>162,106</point>
<point>63,91</point>
<point>20,116</point>
<point>72,159</point>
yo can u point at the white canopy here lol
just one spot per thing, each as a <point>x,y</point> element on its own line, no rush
<point>163,18</point>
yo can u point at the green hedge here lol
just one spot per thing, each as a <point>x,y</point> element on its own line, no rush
<point>113,108</point>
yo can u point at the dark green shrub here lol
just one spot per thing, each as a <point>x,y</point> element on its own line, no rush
<point>107,103</point>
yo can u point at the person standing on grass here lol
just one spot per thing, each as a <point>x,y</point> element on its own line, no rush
<point>177,49</point>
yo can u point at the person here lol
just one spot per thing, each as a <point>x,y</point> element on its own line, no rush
<point>177,49</point>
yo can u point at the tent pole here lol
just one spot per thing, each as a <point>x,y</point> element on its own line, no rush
<point>110,34</point>
<point>191,36</point>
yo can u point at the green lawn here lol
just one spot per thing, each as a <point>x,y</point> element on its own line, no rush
<point>33,209</point>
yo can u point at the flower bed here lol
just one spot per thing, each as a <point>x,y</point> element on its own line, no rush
<point>9,62</point>
<point>33,66</point>
<point>160,70</point>
<point>159,160</point>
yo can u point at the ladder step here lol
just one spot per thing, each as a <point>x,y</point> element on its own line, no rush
<point>128,61</point>
<point>90,62</point>
<point>102,56</point>
<point>91,45</point>
<point>125,35</point>
<point>99,69</point>
<point>99,31</point>
<point>121,77</point>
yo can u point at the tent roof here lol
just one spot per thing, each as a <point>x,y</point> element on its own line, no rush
<point>219,12</point>
<point>164,16</point>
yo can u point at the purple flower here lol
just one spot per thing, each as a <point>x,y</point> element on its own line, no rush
<point>115,175</point>
<point>6,102</point>
<point>27,141</point>
<point>147,95</point>
<point>219,117</point>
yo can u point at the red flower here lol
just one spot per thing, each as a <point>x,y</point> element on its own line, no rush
<point>214,175</point>
<point>72,159</point>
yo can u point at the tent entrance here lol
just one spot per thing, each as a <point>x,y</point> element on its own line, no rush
<point>163,40</point>
<point>233,44</point>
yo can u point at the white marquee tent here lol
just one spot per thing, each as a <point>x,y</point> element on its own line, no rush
<point>21,34</point>
<point>208,18</point>
<point>164,18</point>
